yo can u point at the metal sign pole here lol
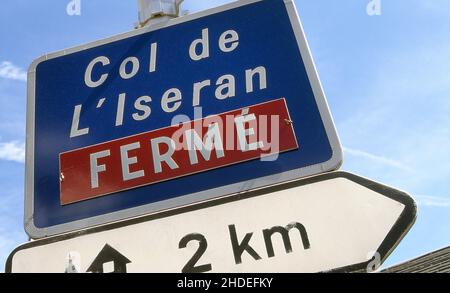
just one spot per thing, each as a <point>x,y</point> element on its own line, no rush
<point>152,12</point>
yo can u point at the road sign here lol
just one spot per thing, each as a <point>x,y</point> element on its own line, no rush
<point>203,106</point>
<point>336,221</point>
<point>77,188</point>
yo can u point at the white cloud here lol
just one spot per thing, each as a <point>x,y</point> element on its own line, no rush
<point>12,151</point>
<point>11,215</point>
<point>433,201</point>
<point>8,241</point>
<point>377,159</point>
<point>402,115</point>
<point>11,71</point>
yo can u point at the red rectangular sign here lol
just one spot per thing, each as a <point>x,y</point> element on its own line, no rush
<point>258,131</point>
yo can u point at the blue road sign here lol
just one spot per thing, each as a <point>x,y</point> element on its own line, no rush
<point>92,110</point>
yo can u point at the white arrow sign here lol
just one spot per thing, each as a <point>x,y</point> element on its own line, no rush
<point>336,221</point>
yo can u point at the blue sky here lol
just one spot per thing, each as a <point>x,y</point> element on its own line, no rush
<point>386,78</point>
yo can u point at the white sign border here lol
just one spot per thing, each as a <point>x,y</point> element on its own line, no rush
<point>333,164</point>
